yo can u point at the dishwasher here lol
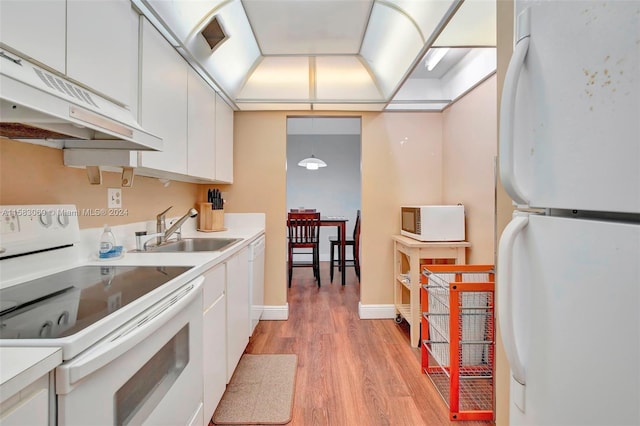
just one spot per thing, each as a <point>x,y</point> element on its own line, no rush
<point>256,282</point>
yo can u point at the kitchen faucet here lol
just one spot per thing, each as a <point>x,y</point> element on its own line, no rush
<point>161,226</point>
<point>175,228</point>
<point>162,233</point>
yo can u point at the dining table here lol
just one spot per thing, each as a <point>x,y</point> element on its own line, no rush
<point>341,223</point>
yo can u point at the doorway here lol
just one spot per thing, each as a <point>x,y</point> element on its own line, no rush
<point>334,190</point>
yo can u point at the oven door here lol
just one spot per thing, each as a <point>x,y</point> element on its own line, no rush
<point>147,372</point>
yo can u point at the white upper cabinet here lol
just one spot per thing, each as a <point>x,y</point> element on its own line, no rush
<point>194,122</point>
<point>201,128</point>
<point>91,42</point>
<point>224,141</point>
<point>101,36</point>
<point>163,102</point>
<point>36,29</point>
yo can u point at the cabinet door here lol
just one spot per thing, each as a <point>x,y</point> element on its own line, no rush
<point>201,128</point>
<point>101,36</point>
<point>238,315</point>
<point>214,342</point>
<point>163,107</point>
<point>214,356</point>
<point>31,406</point>
<point>224,141</point>
<point>35,29</point>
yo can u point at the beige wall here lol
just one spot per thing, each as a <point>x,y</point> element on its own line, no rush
<point>33,174</point>
<point>401,163</point>
<point>259,181</point>
<point>470,135</point>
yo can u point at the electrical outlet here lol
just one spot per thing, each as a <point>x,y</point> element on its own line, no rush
<point>114,198</point>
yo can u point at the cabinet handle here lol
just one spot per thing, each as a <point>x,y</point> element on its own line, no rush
<point>14,60</point>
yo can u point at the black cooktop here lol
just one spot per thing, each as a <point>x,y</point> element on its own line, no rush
<point>64,303</point>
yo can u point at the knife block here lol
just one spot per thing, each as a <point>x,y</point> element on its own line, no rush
<point>210,220</point>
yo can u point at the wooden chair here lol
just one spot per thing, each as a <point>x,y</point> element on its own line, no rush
<point>304,232</point>
<point>354,243</point>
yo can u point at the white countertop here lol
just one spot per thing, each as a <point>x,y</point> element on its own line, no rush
<point>20,366</point>
<point>23,366</point>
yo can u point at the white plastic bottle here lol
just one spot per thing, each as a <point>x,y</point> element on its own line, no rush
<point>107,241</point>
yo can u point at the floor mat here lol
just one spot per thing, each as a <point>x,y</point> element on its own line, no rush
<point>260,391</point>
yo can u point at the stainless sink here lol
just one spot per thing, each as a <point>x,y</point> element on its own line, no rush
<point>193,245</point>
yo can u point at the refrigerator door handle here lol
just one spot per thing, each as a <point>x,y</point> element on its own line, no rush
<point>507,110</point>
<point>505,298</point>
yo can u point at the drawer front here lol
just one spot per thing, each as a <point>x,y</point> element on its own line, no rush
<point>214,284</point>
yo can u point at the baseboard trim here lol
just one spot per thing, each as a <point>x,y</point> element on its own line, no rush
<point>275,313</point>
<point>281,313</point>
<point>376,311</point>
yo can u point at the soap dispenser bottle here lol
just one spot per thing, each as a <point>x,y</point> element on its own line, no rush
<point>107,242</point>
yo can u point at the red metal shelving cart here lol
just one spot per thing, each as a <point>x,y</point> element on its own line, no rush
<point>458,337</point>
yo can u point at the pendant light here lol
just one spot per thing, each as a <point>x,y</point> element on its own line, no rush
<point>312,163</point>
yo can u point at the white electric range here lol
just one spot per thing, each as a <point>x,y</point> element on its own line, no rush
<point>130,335</point>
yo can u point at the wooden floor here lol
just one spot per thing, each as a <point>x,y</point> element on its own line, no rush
<point>350,371</point>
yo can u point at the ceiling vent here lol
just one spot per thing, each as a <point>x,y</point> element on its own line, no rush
<point>214,34</point>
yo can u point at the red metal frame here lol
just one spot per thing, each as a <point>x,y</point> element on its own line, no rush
<point>455,353</point>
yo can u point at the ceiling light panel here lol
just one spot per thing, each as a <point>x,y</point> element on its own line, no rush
<point>425,14</point>
<point>453,56</point>
<point>344,78</point>
<point>476,66</point>
<point>420,89</point>
<point>278,77</point>
<point>232,60</point>
<point>348,107</point>
<point>312,27</point>
<point>265,106</point>
<point>474,24</point>
<point>390,46</point>
<point>417,106</point>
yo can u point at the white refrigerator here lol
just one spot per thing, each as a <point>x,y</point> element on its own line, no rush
<point>569,262</point>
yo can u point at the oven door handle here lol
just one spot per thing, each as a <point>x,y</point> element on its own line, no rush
<point>127,337</point>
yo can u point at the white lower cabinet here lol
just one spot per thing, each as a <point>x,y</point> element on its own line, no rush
<point>225,328</point>
<point>29,407</point>
<point>214,339</point>
<point>238,315</point>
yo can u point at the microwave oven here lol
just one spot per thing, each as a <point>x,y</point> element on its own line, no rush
<point>433,223</point>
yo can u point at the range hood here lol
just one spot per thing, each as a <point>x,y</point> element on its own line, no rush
<point>36,104</point>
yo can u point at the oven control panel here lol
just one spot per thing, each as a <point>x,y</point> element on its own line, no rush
<point>9,223</point>
<point>30,228</point>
